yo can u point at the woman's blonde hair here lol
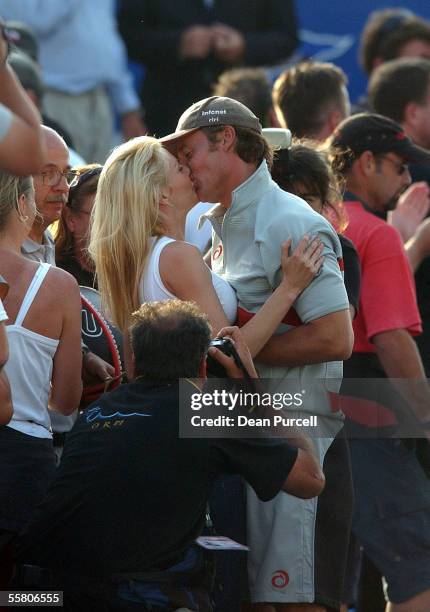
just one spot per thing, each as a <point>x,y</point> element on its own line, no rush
<point>11,189</point>
<point>125,216</point>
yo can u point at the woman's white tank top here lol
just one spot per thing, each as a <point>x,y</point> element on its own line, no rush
<point>29,368</point>
<point>152,287</point>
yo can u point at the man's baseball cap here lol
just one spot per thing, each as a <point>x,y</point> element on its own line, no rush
<point>378,134</point>
<point>213,111</point>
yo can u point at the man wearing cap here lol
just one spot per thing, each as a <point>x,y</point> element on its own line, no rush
<point>392,492</point>
<point>221,141</point>
<point>400,89</point>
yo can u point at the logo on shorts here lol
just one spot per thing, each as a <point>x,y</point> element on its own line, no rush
<point>280,579</point>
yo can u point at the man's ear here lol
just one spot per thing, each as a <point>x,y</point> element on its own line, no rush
<point>367,163</point>
<point>377,61</point>
<point>412,115</point>
<point>22,205</point>
<point>202,368</point>
<point>334,118</point>
<point>228,138</point>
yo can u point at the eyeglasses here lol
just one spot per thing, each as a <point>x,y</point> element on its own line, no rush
<point>401,168</point>
<point>52,178</point>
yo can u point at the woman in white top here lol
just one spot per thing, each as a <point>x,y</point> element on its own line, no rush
<point>137,233</point>
<point>44,364</point>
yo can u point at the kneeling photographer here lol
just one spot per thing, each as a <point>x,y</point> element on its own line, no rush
<point>119,523</point>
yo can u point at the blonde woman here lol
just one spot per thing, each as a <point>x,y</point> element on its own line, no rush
<point>137,233</point>
<point>44,364</point>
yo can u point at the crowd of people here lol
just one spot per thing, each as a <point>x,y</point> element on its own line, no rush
<point>278,217</point>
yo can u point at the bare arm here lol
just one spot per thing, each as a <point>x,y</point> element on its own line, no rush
<point>400,359</point>
<point>329,338</point>
<point>6,409</point>
<point>186,276</point>
<point>66,375</point>
<point>4,349</point>
<point>22,150</point>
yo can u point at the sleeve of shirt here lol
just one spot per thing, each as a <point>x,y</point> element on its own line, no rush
<point>326,293</point>
<point>3,314</point>
<point>388,299</point>
<point>42,16</point>
<point>263,463</point>
<point>5,121</point>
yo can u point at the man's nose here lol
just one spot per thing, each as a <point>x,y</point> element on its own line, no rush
<point>62,185</point>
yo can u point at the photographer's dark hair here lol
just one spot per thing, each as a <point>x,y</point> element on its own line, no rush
<point>169,339</point>
<point>387,31</point>
<point>251,146</point>
<point>395,84</point>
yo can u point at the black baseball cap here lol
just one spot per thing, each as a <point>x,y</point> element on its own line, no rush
<point>378,134</point>
<point>213,111</point>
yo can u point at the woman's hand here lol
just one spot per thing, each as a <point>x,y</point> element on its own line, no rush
<point>235,335</point>
<point>301,266</point>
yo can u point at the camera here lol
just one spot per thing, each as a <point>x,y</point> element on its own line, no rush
<point>214,368</point>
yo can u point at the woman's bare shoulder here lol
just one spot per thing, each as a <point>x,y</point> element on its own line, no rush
<point>61,285</point>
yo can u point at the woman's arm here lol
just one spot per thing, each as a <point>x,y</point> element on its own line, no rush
<point>184,273</point>
<point>6,409</point>
<point>66,375</point>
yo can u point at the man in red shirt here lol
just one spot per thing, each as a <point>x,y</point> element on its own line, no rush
<point>392,510</point>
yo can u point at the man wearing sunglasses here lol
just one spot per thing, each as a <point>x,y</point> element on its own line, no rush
<point>392,490</point>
